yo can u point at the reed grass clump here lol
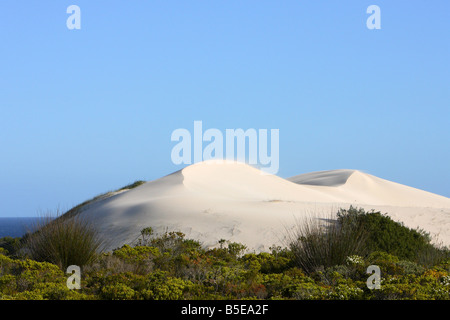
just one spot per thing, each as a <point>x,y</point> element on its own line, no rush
<point>63,241</point>
<point>325,242</point>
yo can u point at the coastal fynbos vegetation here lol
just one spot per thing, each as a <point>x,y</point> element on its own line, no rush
<point>322,262</point>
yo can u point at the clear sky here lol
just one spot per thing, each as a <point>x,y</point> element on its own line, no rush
<point>86,111</point>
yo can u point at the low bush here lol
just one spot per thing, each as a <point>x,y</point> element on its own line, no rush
<point>385,234</point>
<point>9,245</point>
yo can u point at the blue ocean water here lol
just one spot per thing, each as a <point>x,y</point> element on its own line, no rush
<point>16,227</point>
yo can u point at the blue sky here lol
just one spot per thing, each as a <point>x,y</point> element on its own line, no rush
<point>87,111</point>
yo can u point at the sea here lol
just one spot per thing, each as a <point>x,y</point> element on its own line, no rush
<point>16,227</point>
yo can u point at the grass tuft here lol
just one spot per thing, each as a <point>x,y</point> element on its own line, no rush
<point>63,241</point>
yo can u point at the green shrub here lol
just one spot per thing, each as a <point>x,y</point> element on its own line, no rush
<point>3,251</point>
<point>9,245</point>
<point>345,292</point>
<point>172,243</point>
<point>162,287</point>
<point>286,284</point>
<point>310,291</point>
<point>227,251</point>
<point>269,263</point>
<point>379,257</point>
<point>236,249</point>
<point>117,291</point>
<point>410,267</point>
<point>140,257</point>
<point>55,291</point>
<point>29,279</point>
<point>278,285</point>
<point>428,286</point>
<point>126,286</point>
<point>393,237</point>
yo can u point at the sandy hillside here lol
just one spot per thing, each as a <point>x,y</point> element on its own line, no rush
<point>236,202</point>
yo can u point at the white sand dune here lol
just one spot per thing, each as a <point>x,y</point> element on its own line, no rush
<point>236,202</point>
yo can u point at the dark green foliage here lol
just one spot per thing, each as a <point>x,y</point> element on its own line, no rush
<point>30,280</point>
<point>393,237</point>
<point>229,253</point>
<point>270,263</point>
<point>10,245</point>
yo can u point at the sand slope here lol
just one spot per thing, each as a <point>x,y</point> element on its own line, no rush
<point>236,202</point>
